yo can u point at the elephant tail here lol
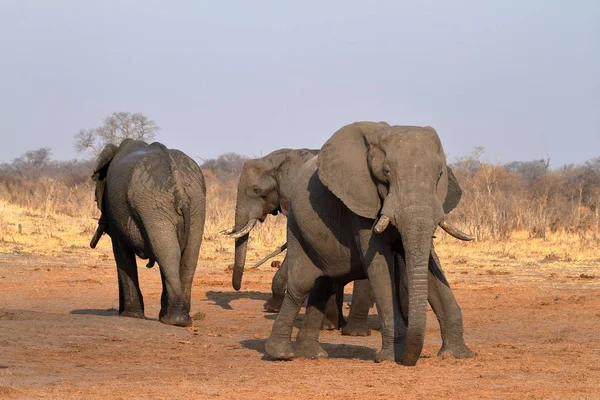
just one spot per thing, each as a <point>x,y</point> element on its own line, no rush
<point>185,212</point>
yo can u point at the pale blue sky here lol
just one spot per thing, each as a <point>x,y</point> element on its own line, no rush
<point>520,78</point>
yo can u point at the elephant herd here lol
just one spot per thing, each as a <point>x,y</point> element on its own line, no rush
<point>363,208</point>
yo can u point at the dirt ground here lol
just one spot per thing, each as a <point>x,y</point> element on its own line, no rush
<point>534,327</point>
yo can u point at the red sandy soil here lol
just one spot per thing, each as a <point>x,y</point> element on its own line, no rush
<point>535,329</point>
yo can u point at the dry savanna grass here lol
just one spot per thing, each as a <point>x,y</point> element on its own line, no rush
<point>24,231</point>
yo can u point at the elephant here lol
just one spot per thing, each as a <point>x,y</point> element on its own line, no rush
<point>264,188</point>
<point>369,176</point>
<point>153,203</point>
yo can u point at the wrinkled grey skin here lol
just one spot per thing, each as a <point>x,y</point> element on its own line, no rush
<point>153,203</point>
<point>402,174</point>
<point>264,188</point>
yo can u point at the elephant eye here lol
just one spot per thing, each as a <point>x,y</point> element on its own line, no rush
<point>256,190</point>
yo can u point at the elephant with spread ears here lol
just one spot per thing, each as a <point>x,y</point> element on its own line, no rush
<point>152,201</point>
<point>368,207</point>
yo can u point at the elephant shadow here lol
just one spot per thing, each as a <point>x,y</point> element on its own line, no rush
<point>108,312</point>
<point>345,351</point>
<point>223,299</point>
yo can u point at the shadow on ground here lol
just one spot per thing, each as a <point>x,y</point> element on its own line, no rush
<point>372,320</point>
<point>109,312</point>
<point>346,351</point>
<point>223,299</point>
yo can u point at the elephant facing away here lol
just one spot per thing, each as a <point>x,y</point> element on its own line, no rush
<point>152,201</point>
<point>264,188</point>
<point>367,207</point>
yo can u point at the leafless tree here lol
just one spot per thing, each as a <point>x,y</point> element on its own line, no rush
<point>115,128</point>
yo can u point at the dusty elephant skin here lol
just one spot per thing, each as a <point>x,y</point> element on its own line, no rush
<point>367,177</point>
<point>153,203</point>
<point>265,187</point>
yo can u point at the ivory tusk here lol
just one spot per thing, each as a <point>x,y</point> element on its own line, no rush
<point>245,230</point>
<point>227,231</point>
<point>455,232</point>
<point>381,224</point>
<point>275,252</point>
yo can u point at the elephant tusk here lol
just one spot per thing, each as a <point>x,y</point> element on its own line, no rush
<point>245,230</point>
<point>381,224</point>
<point>227,231</point>
<point>275,252</point>
<point>455,232</point>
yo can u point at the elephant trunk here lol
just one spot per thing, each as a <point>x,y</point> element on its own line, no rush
<point>416,230</point>
<point>241,243</point>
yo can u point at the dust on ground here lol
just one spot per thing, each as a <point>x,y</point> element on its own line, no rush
<point>534,327</point>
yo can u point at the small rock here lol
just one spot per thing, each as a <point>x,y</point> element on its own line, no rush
<point>276,264</point>
<point>199,316</point>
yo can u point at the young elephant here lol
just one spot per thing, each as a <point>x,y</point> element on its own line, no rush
<point>367,177</point>
<point>153,203</point>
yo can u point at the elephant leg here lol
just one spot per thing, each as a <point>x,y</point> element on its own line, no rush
<point>301,279</point>
<point>131,302</point>
<point>307,341</point>
<point>278,285</point>
<point>334,318</point>
<point>189,262</point>
<point>378,261</point>
<point>444,305</point>
<point>447,311</point>
<point>165,246</point>
<point>362,301</point>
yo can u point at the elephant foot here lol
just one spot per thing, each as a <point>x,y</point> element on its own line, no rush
<point>273,304</point>
<point>327,325</point>
<point>176,319</point>
<point>281,349</point>
<point>354,328</point>
<point>310,349</point>
<point>456,351</point>
<point>393,354</point>
<point>132,314</point>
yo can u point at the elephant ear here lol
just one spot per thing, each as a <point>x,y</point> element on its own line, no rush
<point>103,161</point>
<point>454,192</point>
<point>99,176</point>
<point>448,189</point>
<point>343,168</point>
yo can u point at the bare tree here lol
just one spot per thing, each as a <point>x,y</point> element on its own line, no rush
<point>115,128</point>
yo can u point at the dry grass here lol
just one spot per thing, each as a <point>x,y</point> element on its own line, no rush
<point>55,234</point>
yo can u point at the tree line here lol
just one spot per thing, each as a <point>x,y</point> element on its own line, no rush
<point>498,199</point>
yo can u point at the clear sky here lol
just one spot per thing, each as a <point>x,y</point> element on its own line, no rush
<point>520,78</point>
